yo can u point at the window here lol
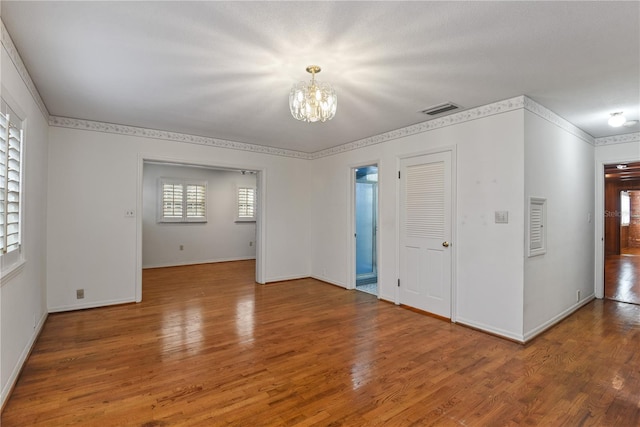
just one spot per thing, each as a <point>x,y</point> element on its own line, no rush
<point>625,208</point>
<point>182,201</point>
<point>246,204</point>
<point>11,136</point>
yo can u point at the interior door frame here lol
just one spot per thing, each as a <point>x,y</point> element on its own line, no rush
<point>351,220</point>
<point>454,234</point>
<point>599,220</point>
<point>261,176</point>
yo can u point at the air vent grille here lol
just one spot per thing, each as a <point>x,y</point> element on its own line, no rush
<point>440,108</point>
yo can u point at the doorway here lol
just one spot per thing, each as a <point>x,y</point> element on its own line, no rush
<point>256,239</point>
<point>622,232</point>
<point>366,228</point>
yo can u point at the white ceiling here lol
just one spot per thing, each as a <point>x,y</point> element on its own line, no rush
<point>224,69</point>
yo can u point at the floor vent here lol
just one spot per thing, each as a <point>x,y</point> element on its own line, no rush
<point>440,108</point>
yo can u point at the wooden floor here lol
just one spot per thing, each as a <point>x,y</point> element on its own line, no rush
<point>622,276</point>
<point>208,347</point>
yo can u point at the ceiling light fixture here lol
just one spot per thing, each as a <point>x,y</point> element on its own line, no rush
<point>313,101</point>
<point>617,119</point>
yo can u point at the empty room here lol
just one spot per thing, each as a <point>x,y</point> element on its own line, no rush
<point>324,213</point>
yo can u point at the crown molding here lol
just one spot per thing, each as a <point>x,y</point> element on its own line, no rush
<point>66,122</point>
<point>543,112</point>
<point>511,104</point>
<point>22,69</point>
<point>618,139</point>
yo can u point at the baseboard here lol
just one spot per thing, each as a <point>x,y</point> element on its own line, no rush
<point>490,330</point>
<point>15,373</point>
<point>93,304</point>
<point>528,336</point>
<point>329,281</point>
<point>285,278</point>
<point>210,261</point>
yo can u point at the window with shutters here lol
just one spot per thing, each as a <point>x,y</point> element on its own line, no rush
<point>246,204</point>
<point>182,201</point>
<point>11,207</point>
<point>537,237</point>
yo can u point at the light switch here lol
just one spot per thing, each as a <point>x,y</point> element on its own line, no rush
<point>502,217</point>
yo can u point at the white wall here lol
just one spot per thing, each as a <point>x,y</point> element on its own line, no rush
<point>490,177</point>
<point>221,238</point>
<point>609,152</point>
<point>23,297</point>
<point>558,167</point>
<point>93,180</point>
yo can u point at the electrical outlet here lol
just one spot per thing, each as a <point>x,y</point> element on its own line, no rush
<point>250,243</point>
<point>129,213</point>
<point>79,293</point>
<point>182,247</point>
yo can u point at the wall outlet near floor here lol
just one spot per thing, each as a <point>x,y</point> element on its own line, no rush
<point>578,296</point>
<point>182,247</point>
<point>79,293</point>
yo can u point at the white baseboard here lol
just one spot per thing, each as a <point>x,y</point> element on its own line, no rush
<point>15,373</point>
<point>490,329</point>
<point>209,261</point>
<point>283,278</point>
<point>549,323</point>
<point>333,282</point>
<point>92,304</point>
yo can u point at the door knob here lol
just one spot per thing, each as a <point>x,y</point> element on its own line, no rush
<point>445,244</point>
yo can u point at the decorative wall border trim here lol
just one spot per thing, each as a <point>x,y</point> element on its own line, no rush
<point>618,139</point>
<point>537,109</point>
<point>453,119</point>
<point>516,103</point>
<point>89,125</point>
<point>17,61</point>
<point>499,107</point>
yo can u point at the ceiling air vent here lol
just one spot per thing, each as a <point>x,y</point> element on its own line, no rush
<point>440,108</point>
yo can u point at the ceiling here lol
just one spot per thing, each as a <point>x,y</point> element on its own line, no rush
<point>224,69</point>
<point>624,172</point>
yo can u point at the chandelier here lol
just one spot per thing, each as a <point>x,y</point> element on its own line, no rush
<point>313,101</point>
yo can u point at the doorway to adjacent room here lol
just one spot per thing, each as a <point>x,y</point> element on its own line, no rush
<point>366,228</point>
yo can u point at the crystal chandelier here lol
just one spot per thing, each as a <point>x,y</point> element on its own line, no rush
<point>313,101</point>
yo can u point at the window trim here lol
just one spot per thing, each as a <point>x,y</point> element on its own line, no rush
<point>12,262</point>
<point>184,219</point>
<point>238,203</point>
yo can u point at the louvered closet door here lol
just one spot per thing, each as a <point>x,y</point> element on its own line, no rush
<point>425,233</point>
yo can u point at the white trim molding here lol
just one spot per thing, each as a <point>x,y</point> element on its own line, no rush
<point>22,69</point>
<point>512,104</point>
<point>618,139</point>
<point>67,122</point>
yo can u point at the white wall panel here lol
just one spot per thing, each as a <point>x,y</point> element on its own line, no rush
<point>23,297</point>
<point>93,181</point>
<point>558,168</point>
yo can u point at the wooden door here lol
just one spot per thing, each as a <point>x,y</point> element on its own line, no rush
<point>425,233</point>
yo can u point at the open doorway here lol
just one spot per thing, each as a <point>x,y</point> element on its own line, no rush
<point>622,232</point>
<point>366,226</point>
<point>230,228</point>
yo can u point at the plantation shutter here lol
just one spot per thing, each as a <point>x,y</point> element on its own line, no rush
<point>10,180</point>
<point>171,200</point>
<point>246,203</point>
<point>195,201</point>
<point>182,201</point>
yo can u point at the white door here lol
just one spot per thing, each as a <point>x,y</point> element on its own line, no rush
<point>425,233</point>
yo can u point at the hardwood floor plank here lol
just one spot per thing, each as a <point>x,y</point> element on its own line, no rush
<point>207,346</point>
